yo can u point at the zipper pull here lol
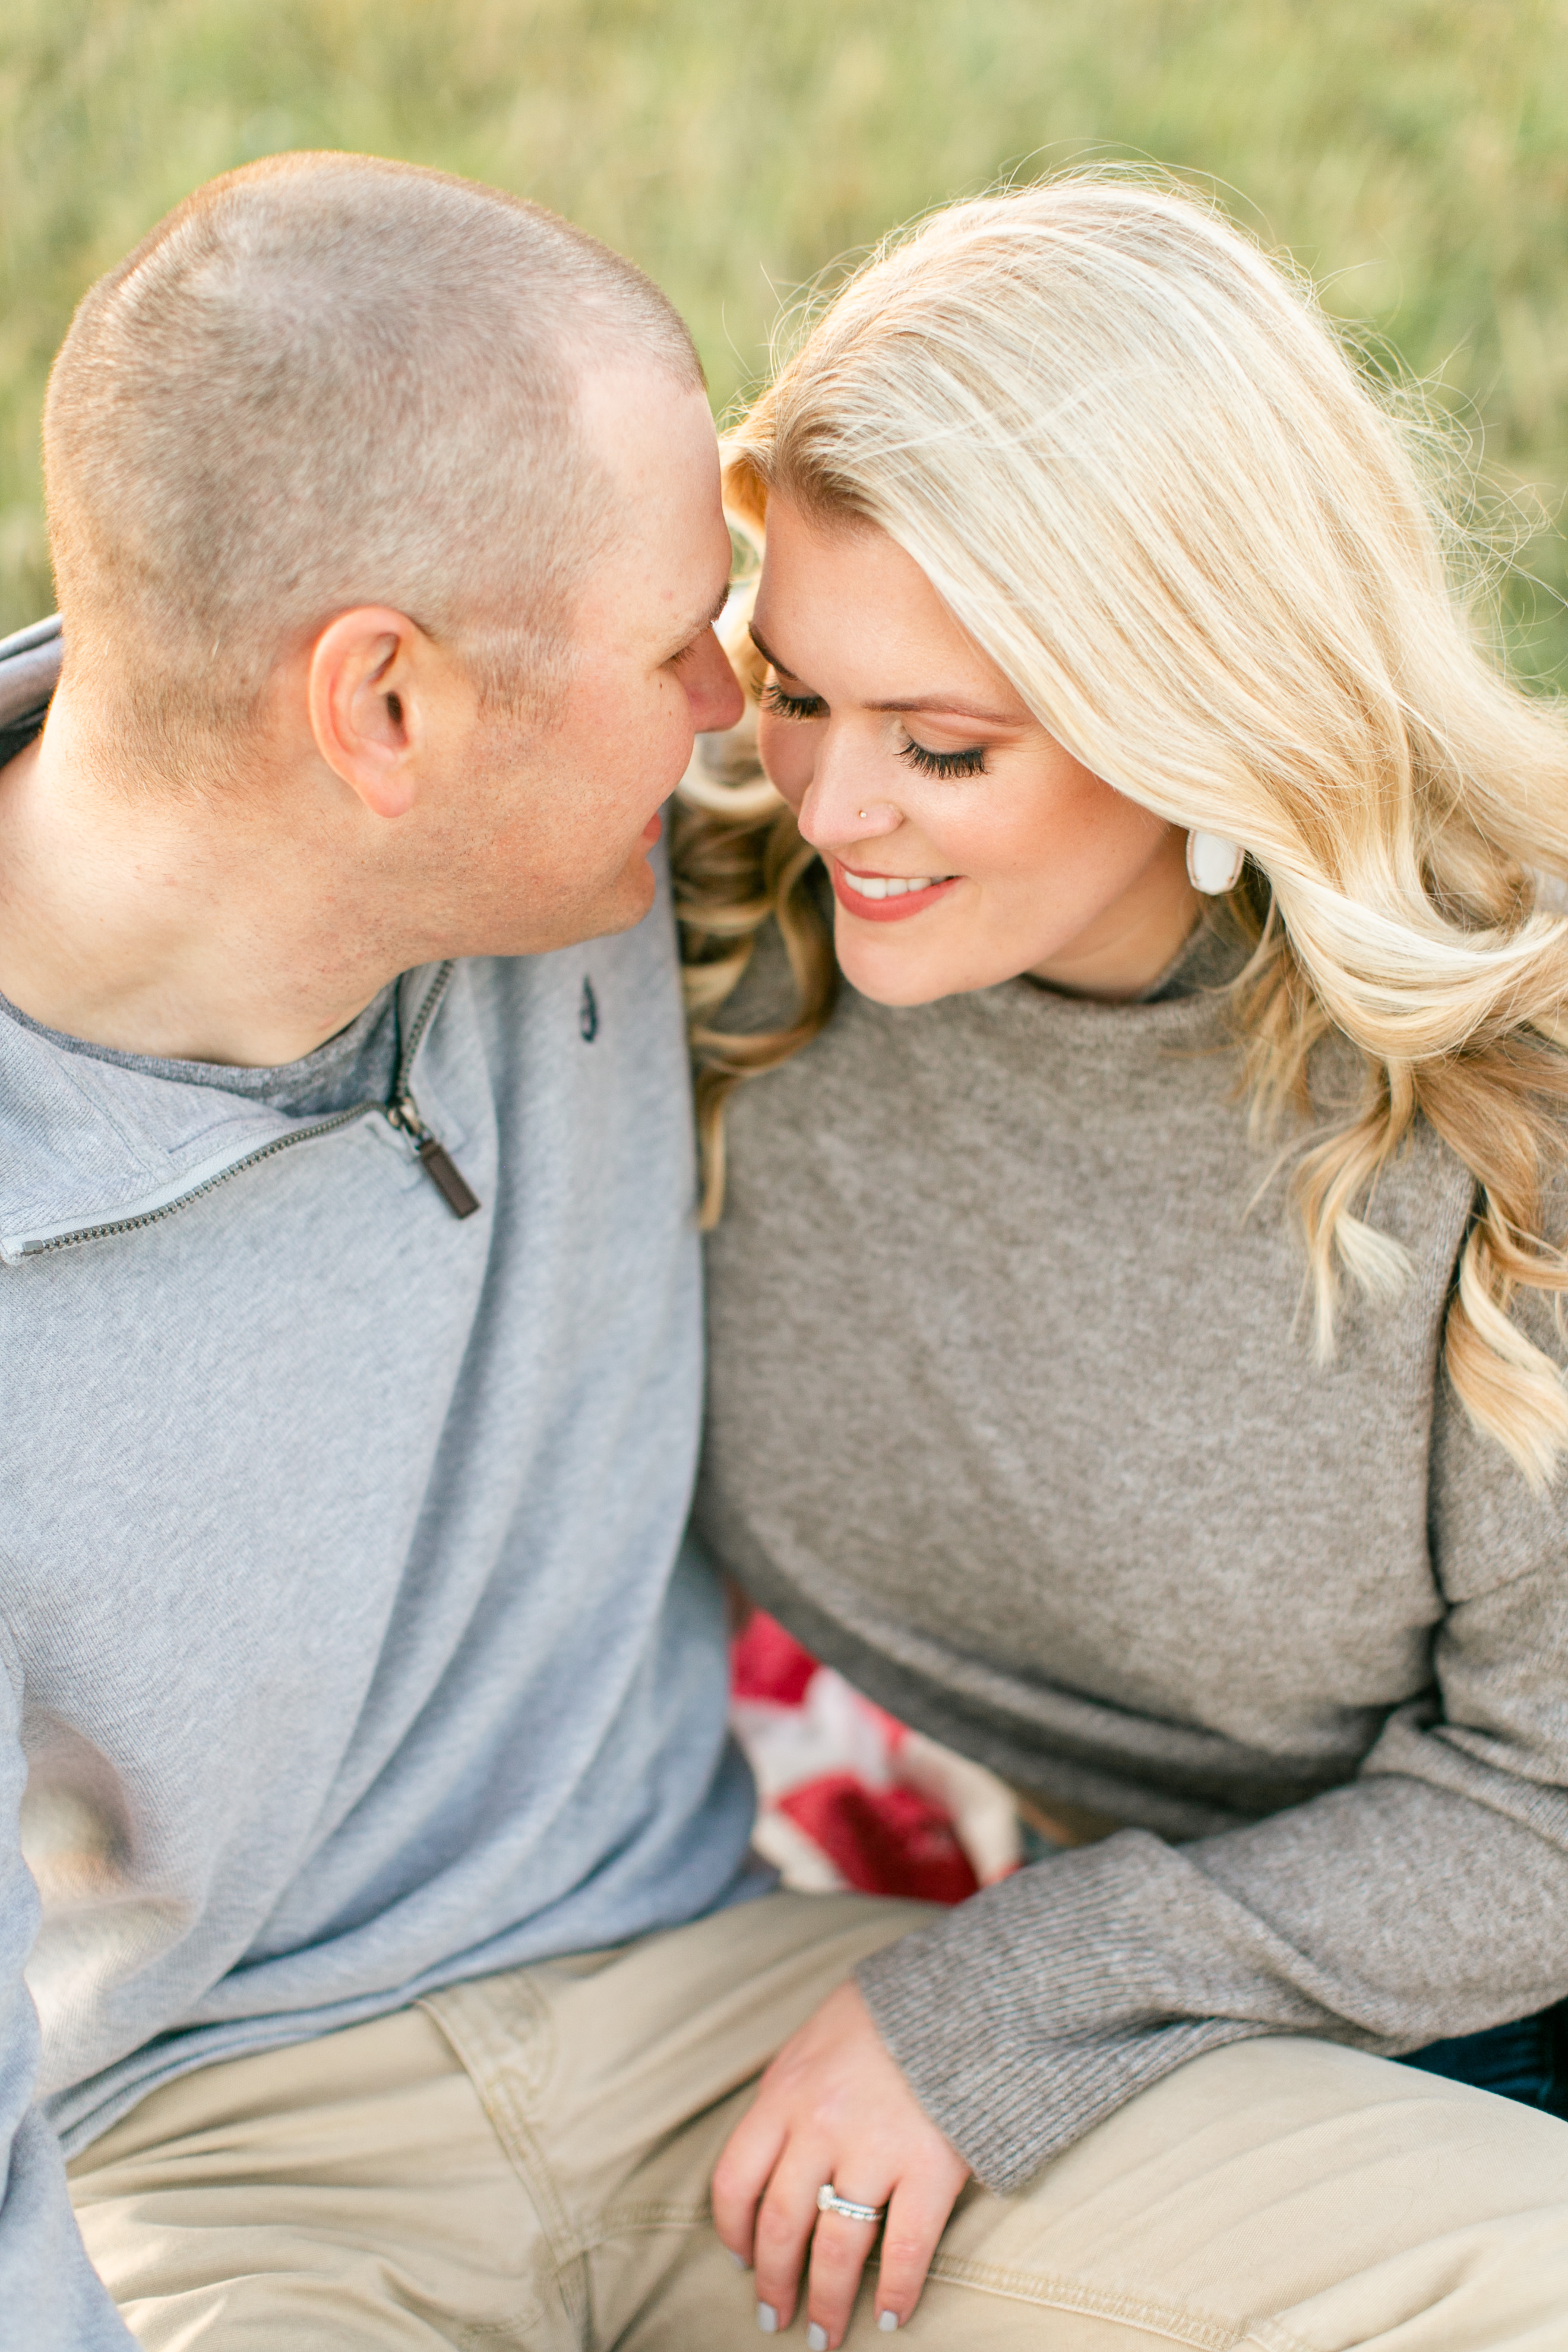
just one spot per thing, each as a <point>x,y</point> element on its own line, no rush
<point>447,1178</point>
<point>436,1159</point>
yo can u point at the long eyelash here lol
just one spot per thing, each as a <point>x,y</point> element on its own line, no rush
<point>971,763</point>
<point>791,706</point>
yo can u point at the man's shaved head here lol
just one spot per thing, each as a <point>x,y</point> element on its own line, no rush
<point>328,381</point>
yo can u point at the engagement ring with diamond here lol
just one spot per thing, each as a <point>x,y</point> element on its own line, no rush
<point>829,2200</point>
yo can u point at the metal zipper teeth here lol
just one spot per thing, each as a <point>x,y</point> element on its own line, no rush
<point>209,1184</point>
<point>422,1021</point>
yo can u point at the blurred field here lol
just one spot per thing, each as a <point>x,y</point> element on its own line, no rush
<point>1413,153</point>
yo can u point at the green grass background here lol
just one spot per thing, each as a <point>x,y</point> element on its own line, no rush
<point>1413,154</point>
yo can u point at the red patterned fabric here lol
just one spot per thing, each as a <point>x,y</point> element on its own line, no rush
<point>884,1840</point>
<point>767,1663</point>
<point>849,1796</point>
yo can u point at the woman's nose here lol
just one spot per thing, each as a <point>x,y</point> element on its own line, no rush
<point>838,808</point>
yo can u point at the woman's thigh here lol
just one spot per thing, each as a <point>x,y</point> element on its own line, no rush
<point>1280,2194</point>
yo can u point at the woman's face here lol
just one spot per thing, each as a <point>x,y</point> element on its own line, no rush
<point>965,845</point>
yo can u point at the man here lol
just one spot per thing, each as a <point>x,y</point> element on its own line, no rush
<point>349,1310</point>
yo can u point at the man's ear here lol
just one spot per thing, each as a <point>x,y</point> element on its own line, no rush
<point>370,677</point>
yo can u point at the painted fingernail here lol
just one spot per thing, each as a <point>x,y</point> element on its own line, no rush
<point>739,2259</point>
<point>815,2339</point>
<point>767,2319</point>
<point>888,2321</point>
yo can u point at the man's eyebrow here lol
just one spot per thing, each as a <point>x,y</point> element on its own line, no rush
<point>707,620</point>
<point>954,704</point>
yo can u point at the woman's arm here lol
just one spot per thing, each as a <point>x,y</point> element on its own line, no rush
<point>1429,1898</point>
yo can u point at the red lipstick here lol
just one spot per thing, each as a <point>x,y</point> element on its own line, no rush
<point>887,910</point>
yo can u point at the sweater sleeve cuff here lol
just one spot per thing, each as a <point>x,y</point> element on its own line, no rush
<point>1005,2109</point>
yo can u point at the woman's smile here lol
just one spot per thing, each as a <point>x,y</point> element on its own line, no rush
<point>887,898</point>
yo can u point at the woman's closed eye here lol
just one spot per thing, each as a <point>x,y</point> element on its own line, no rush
<point>968,762</point>
<point>792,705</point>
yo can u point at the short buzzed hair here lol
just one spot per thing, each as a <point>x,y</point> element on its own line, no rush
<point>323,381</point>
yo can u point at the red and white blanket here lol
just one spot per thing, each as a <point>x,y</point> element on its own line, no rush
<point>848,1797</point>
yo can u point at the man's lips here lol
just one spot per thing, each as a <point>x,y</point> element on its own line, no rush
<point>652,830</point>
<point>893,908</point>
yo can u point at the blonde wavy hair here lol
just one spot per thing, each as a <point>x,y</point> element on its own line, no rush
<point>1133,457</point>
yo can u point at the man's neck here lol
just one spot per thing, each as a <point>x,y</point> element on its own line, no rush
<point>170,924</point>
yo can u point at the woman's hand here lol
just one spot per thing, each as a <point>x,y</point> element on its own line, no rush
<point>834,2106</point>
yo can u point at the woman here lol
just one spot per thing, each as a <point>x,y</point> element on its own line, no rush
<point>1135,1350</point>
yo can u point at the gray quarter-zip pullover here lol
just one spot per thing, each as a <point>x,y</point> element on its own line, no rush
<point>349,1643</point>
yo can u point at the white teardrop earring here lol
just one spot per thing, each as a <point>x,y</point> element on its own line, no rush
<point>1214,864</point>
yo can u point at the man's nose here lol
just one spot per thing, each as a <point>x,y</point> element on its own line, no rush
<point>711,688</point>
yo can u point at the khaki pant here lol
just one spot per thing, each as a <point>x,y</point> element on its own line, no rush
<point>523,2162</point>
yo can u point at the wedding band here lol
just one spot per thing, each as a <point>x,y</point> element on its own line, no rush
<point>829,2200</point>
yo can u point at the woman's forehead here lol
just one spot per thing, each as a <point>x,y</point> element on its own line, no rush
<point>852,605</point>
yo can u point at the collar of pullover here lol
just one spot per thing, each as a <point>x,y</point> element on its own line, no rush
<point>91,1147</point>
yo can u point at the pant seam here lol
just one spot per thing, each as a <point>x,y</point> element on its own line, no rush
<point>476,2334</point>
<point>496,2054</point>
<point>1269,2336</point>
<point>1205,2331</point>
<point>651,2215</point>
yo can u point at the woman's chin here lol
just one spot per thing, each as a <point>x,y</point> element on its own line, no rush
<point>895,966</point>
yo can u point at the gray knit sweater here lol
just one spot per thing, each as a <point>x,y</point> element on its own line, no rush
<point>1014,1419</point>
